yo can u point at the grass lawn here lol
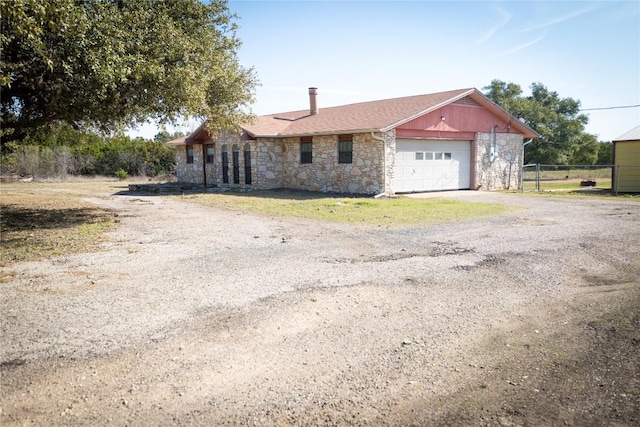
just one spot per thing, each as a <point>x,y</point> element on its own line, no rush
<point>567,184</point>
<point>392,212</point>
<point>589,192</point>
<point>565,178</point>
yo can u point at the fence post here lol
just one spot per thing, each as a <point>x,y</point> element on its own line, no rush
<point>538,177</point>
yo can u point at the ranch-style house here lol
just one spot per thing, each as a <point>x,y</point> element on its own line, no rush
<point>451,140</point>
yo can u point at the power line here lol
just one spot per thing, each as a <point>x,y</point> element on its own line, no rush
<point>611,108</point>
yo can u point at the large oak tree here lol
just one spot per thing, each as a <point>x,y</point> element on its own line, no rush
<point>109,64</point>
<point>558,121</point>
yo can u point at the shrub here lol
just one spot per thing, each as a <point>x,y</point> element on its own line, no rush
<point>122,174</point>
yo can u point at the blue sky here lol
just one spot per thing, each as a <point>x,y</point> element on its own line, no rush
<point>357,51</point>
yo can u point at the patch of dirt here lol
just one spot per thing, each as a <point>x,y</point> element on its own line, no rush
<point>191,315</point>
<point>581,369</point>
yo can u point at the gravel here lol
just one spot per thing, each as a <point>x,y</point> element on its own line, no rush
<point>194,315</point>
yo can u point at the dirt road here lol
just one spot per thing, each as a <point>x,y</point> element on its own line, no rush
<point>198,316</point>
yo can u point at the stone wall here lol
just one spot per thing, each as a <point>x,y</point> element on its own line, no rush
<point>269,156</point>
<point>189,172</point>
<point>194,172</point>
<point>365,175</point>
<point>503,171</point>
<point>275,163</point>
<point>389,141</point>
<point>231,141</point>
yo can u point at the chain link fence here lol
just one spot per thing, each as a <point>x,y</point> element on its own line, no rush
<point>576,178</point>
<point>581,178</point>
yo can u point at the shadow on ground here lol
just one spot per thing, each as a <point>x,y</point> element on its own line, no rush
<point>192,189</point>
<point>15,218</point>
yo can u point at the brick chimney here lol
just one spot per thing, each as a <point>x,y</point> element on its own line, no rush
<point>313,105</point>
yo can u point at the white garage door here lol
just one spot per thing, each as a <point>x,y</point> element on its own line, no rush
<point>427,165</point>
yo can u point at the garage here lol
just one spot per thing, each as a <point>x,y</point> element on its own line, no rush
<point>432,165</point>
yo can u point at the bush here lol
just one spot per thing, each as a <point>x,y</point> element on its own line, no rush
<point>122,174</point>
<point>62,150</point>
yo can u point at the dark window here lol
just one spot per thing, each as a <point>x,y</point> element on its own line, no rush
<point>210,154</point>
<point>225,165</point>
<point>247,165</point>
<point>189,155</point>
<point>236,165</point>
<point>345,148</point>
<point>306,150</point>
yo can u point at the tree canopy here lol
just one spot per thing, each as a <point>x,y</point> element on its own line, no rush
<point>558,121</point>
<point>109,64</point>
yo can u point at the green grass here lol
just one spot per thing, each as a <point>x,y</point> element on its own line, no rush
<point>567,178</point>
<point>579,192</point>
<point>566,172</point>
<point>400,211</point>
<point>568,185</point>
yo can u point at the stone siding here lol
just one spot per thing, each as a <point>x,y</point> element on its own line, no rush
<point>268,163</point>
<point>365,175</point>
<point>502,172</point>
<point>189,172</point>
<point>275,163</point>
<point>231,141</point>
<point>389,141</point>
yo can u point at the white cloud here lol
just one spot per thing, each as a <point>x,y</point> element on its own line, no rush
<point>520,47</point>
<point>561,19</point>
<point>505,18</point>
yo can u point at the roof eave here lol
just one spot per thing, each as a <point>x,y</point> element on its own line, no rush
<point>176,142</point>
<point>321,133</point>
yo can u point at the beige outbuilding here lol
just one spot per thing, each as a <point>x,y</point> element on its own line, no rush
<point>626,158</point>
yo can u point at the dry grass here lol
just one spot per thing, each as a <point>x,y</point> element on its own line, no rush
<point>40,220</point>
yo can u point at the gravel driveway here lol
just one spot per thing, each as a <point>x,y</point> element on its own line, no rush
<point>198,316</point>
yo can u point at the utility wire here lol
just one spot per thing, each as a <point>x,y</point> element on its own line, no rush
<point>611,108</point>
